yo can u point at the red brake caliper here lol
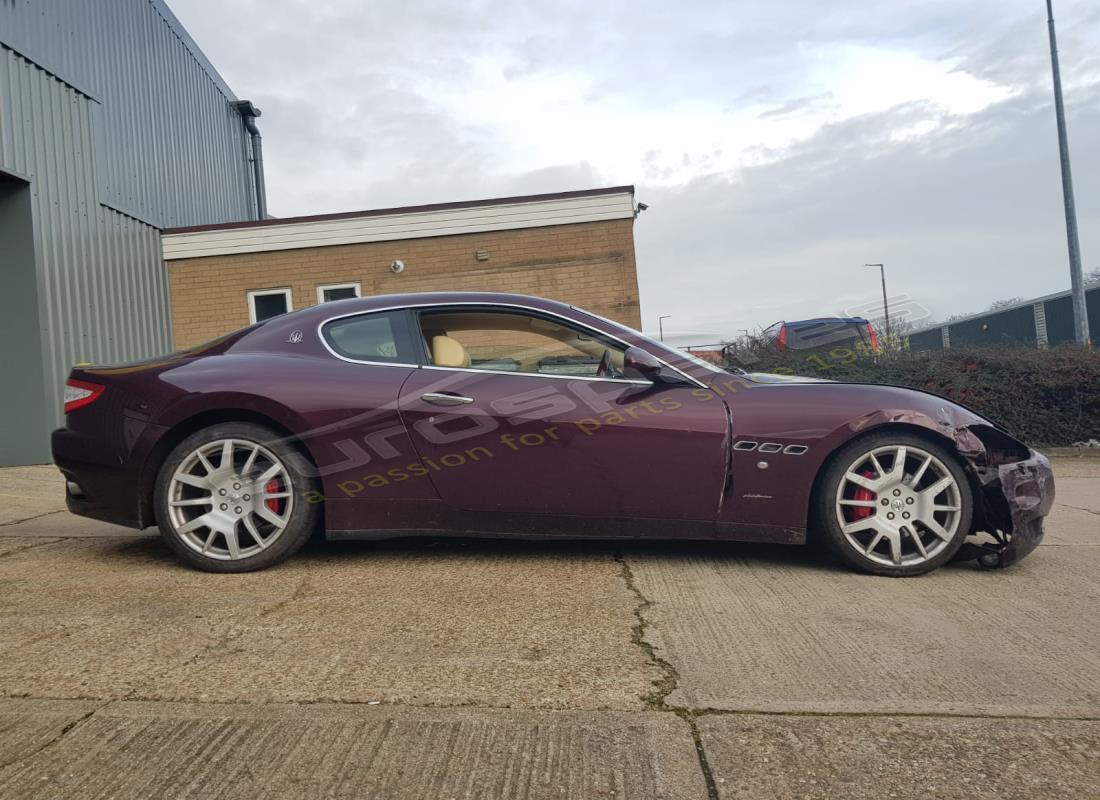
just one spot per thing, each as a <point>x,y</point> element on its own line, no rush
<point>862,512</point>
<point>273,502</point>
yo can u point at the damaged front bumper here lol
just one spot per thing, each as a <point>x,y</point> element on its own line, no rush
<point>1015,496</point>
<point>1028,489</point>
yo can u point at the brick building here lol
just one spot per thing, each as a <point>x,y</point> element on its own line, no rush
<point>577,247</point>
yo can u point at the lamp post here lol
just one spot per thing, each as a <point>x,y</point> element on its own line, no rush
<point>1076,282</point>
<point>885,305</point>
<point>661,325</point>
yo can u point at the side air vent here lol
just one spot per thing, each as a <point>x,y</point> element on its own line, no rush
<point>770,447</point>
<point>744,445</point>
<point>795,449</point>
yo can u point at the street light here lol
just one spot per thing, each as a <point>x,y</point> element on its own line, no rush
<point>885,305</point>
<point>1077,284</point>
<point>661,325</point>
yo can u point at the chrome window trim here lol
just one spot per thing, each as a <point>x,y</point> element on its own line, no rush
<point>332,352</point>
<point>375,363</point>
<point>707,364</point>
<point>540,375</point>
<point>443,304</point>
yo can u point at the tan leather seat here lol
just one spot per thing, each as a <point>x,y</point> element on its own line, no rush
<point>448,352</point>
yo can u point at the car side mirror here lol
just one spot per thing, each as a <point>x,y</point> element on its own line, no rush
<point>640,364</point>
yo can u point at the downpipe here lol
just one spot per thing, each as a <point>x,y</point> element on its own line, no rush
<point>249,113</point>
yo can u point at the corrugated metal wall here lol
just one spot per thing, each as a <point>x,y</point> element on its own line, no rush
<point>927,340</point>
<point>169,146</point>
<point>1011,328</point>
<point>1059,315</point>
<point>1045,322</point>
<point>120,128</point>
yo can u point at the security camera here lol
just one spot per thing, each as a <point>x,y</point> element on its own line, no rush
<point>397,267</point>
<point>642,206</point>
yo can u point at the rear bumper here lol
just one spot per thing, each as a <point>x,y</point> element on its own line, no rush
<point>109,491</point>
<point>1028,489</point>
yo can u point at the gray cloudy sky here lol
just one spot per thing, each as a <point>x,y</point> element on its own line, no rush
<point>779,145</point>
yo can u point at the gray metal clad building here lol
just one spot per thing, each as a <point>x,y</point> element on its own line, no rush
<point>1041,322</point>
<point>113,125</point>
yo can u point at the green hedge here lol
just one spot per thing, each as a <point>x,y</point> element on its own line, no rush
<point>1045,397</point>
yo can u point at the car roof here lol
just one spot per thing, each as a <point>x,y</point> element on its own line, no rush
<point>316,314</point>
<point>379,301</point>
<point>805,323</point>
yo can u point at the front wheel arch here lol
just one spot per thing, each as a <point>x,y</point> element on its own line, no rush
<point>858,554</point>
<point>812,534</point>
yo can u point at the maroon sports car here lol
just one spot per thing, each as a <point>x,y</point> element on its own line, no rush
<point>492,414</point>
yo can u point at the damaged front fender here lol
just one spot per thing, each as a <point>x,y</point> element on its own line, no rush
<point>1014,489</point>
<point>1013,485</point>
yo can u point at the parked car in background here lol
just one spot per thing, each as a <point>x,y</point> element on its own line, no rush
<point>821,332</point>
<point>496,414</point>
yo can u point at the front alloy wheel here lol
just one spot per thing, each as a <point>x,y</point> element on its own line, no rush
<point>898,505</point>
<point>229,499</point>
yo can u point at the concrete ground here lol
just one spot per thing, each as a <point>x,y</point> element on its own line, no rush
<point>463,669</point>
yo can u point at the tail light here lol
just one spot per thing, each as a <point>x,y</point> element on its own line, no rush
<point>874,337</point>
<point>782,341</point>
<point>80,393</point>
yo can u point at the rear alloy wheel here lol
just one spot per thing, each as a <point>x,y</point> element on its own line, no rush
<point>226,499</point>
<point>895,504</point>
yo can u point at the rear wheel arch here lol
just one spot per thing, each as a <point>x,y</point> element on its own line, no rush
<point>196,422</point>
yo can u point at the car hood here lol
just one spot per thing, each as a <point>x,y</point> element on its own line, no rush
<point>767,378</point>
<point>772,377</point>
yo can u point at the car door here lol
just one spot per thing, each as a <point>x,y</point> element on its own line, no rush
<point>356,435</point>
<point>507,418</point>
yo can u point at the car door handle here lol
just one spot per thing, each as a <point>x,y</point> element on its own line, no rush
<point>446,399</point>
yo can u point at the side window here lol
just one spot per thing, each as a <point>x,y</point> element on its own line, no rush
<point>337,291</point>
<point>378,337</point>
<point>267,303</point>
<point>516,342</point>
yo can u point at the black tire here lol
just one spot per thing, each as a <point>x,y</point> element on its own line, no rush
<point>826,513</point>
<point>301,521</point>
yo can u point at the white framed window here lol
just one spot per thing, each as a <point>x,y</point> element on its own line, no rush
<point>328,292</point>
<point>267,303</point>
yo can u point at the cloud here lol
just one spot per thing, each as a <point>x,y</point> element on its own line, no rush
<point>799,104</point>
<point>779,145</point>
<point>961,217</point>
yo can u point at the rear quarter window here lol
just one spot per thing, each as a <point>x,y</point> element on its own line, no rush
<point>381,337</point>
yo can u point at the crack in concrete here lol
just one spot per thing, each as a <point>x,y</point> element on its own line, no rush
<point>671,678</point>
<point>36,516</point>
<point>719,712</point>
<point>298,593</point>
<point>32,546</point>
<point>701,754</point>
<point>65,731</point>
<point>1078,508</point>
<point>233,630</point>
<point>656,699</point>
<point>694,713</point>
